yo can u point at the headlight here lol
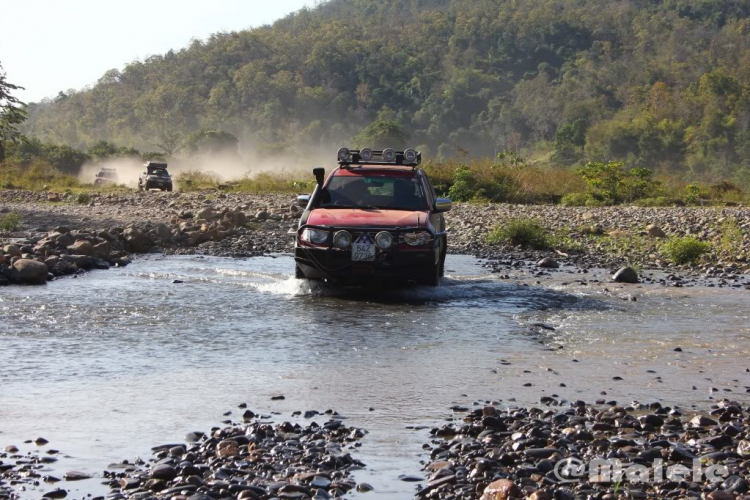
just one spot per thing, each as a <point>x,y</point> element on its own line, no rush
<point>389,154</point>
<point>342,239</point>
<point>410,155</point>
<point>343,154</point>
<point>365,154</point>
<point>417,239</point>
<point>315,236</point>
<point>383,240</point>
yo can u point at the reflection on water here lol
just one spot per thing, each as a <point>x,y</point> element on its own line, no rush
<point>111,363</point>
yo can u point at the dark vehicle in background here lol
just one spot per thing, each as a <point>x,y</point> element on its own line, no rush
<point>155,176</point>
<point>375,220</point>
<point>106,176</point>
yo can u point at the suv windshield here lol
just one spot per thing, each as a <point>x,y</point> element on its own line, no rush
<point>160,172</point>
<point>373,191</point>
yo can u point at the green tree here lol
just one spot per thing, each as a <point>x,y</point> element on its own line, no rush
<point>211,141</point>
<point>12,113</point>
<point>381,134</point>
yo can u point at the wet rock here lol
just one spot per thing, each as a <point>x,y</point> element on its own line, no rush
<point>164,472</point>
<point>625,275</point>
<point>31,272</point>
<point>502,489</point>
<point>55,494</point>
<point>136,240</point>
<point>364,487</point>
<point>75,476</point>
<point>548,263</point>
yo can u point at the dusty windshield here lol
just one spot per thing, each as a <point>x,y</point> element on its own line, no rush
<point>394,193</point>
<point>159,172</point>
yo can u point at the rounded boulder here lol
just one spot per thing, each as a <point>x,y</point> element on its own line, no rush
<point>31,271</point>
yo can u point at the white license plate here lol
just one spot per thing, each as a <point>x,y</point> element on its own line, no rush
<point>363,249</point>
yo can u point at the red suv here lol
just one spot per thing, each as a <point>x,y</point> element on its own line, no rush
<point>375,218</point>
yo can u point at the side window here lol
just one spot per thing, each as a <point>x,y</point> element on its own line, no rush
<point>430,188</point>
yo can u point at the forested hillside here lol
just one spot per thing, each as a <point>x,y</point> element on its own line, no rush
<point>661,84</point>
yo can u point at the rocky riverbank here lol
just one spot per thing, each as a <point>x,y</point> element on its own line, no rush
<point>555,450</point>
<point>574,451</point>
<point>68,233</point>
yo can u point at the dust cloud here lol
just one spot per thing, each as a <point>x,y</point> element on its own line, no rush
<point>224,168</point>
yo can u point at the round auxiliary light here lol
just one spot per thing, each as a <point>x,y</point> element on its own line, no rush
<point>315,236</point>
<point>343,154</point>
<point>342,239</point>
<point>410,155</point>
<point>365,154</point>
<point>389,154</point>
<point>383,240</point>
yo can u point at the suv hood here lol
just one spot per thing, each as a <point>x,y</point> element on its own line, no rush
<point>351,217</point>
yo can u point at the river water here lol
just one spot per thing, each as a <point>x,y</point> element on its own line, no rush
<point>108,364</point>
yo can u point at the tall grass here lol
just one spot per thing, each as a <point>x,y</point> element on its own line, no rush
<point>35,177</point>
<point>265,182</point>
<point>493,181</point>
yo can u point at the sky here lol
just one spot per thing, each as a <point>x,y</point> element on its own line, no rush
<point>51,45</point>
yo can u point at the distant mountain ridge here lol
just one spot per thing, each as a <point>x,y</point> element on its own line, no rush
<point>659,84</point>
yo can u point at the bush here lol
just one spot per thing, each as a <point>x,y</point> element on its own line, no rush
<point>731,237</point>
<point>527,233</point>
<point>10,222</point>
<point>612,184</point>
<point>659,201</point>
<point>685,250</point>
<point>695,194</point>
<point>83,198</point>
<point>576,199</point>
<point>193,180</point>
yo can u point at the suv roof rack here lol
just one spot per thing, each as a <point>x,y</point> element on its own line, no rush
<point>385,157</point>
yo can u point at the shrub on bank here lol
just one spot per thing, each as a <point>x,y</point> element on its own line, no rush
<point>10,222</point>
<point>193,180</point>
<point>527,233</point>
<point>685,250</point>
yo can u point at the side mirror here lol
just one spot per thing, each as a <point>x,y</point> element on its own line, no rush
<point>443,205</point>
<point>320,174</point>
<point>303,200</point>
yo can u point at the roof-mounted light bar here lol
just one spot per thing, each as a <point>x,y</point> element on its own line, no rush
<point>366,156</point>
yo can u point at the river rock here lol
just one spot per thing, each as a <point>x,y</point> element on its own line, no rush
<point>743,448</point>
<point>206,214</point>
<point>55,494</point>
<point>81,247</point>
<point>102,249</point>
<point>625,275</point>
<point>12,250</point>
<point>75,476</point>
<point>502,489</point>
<point>164,472</point>
<point>63,239</point>
<point>136,240</point>
<point>31,271</point>
<point>548,263</point>
<point>227,448</point>
<point>655,231</point>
